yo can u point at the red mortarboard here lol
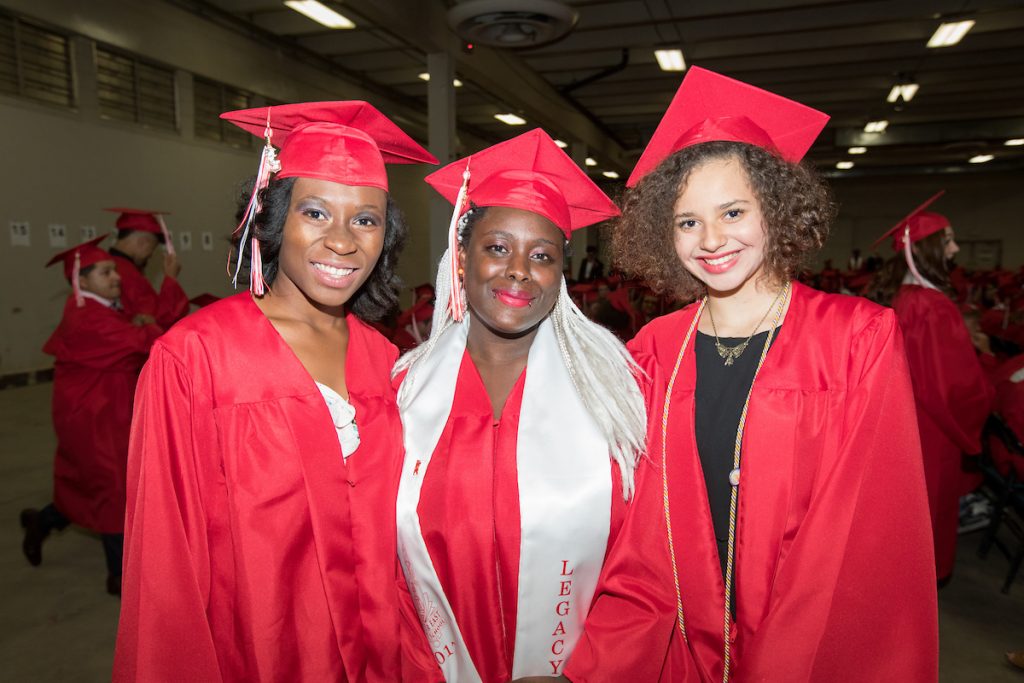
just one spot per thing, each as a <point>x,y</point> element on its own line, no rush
<point>88,254</point>
<point>424,290</point>
<point>710,107</point>
<point>528,172</point>
<point>921,223</point>
<point>345,142</point>
<point>140,219</point>
<point>204,299</point>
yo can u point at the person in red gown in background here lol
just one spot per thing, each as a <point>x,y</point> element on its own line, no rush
<point>266,443</point>
<point>99,351</point>
<point>413,326</point>
<point>795,493</point>
<point>951,389</point>
<point>138,234</point>
<point>530,531</point>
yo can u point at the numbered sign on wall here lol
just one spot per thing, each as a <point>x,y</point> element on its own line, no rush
<point>21,234</point>
<point>207,241</point>
<point>185,240</point>
<point>88,233</point>
<point>58,235</point>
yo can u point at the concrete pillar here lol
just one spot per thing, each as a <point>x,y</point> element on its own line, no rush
<point>581,238</point>
<point>441,133</point>
<point>186,107</point>
<point>83,61</point>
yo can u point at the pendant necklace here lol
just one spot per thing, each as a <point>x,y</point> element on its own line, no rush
<point>730,353</point>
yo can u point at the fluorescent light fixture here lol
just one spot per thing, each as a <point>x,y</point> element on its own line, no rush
<point>950,33</point>
<point>981,158</point>
<point>610,174</point>
<point>426,77</point>
<point>876,126</point>
<point>510,119</point>
<point>591,161</point>
<point>857,150</point>
<point>904,90</point>
<point>844,165</point>
<point>320,13</point>
<point>1015,142</point>
<point>561,144</point>
<point>670,60</point>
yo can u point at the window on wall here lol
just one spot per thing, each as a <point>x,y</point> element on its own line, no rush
<point>130,89</point>
<point>35,63</point>
<point>211,99</point>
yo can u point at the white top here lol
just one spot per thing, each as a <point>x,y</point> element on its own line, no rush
<point>343,414</point>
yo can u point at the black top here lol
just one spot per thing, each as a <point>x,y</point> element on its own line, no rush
<point>720,394</point>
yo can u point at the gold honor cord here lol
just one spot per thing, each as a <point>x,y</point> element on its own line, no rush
<point>782,300</point>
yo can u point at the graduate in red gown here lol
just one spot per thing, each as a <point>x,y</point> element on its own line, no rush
<point>266,443</point>
<point>800,541</point>
<point>98,351</point>
<point>530,532</point>
<point>951,389</point>
<point>139,232</point>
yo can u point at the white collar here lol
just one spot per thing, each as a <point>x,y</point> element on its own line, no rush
<point>109,303</point>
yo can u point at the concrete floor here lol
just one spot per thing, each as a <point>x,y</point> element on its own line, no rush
<point>58,624</point>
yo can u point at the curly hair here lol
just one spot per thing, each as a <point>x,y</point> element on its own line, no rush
<point>931,262</point>
<point>379,294</point>
<point>796,205</point>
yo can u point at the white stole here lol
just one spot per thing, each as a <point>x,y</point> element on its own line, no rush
<point>565,491</point>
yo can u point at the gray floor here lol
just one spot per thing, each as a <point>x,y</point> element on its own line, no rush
<point>58,624</point>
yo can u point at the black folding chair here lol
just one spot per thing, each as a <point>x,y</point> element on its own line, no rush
<point>1007,493</point>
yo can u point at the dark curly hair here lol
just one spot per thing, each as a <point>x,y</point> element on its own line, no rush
<point>379,294</point>
<point>796,205</point>
<point>930,260</point>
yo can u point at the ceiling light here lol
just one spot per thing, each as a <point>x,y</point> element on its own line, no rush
<point>591,161</point>
<point>670,60</point>
<point>904,90</point>
<point>844,165</point>
<point>610,174</point>
<point>561,144</point>
<point>857,150</point>
<point>510,119</point>
<point>426,77</point>
<point>950,33</point>
<point>981,158</point>
<point>876,126</point>
<point>1015,142</point>
<point>320,13</point>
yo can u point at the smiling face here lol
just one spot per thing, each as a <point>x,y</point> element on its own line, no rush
<point>719,232</point>
<point>513,270</point>
<point>333,236</point>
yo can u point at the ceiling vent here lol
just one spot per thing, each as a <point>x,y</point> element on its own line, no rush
<point>511,23</point>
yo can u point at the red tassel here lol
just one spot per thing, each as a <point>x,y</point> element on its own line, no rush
<point>76,272</point>
<point>257,285</point>
<point>168,243</point>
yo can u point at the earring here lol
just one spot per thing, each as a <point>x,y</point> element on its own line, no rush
<point>461,272</point>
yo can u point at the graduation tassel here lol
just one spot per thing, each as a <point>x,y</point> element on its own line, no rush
<point>455,302</point>
<point>76,272</point>
<point>908,255</point>
<point>268,165</point>
<point>168,244</point>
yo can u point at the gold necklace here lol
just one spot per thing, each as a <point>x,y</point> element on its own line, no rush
<point>733,475</point>
<point>730,353</point>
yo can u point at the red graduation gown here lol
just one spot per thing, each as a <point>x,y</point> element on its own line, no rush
<point>253,550</point>
<point>953,397</point>
<point>834,575</point>
<point>99,353</point>
<point>168,306</point>
<point>469,514</point>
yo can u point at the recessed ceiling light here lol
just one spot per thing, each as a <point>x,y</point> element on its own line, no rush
<point>510,119</point>
<point>1015,142</point>
<point>876,126</point>
<point>561,144</point>
<point>610,174</point>
<point>426,77</point>
<point>844,165</point>
<point>670,60</point>
<point>981,158</point>
<point>904,90</point>
<point>320,13</point>
<point>591,161</point>
<point>950,33</point>
<point>857,150</point>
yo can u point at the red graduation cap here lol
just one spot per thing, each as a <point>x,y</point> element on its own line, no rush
<point>424,291</point>
<point>528,172</point>
<point>140,219</point>
<point>346,142</point>
<point>82,256</point>
<point>918,224</point>
<point>709,107</point>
